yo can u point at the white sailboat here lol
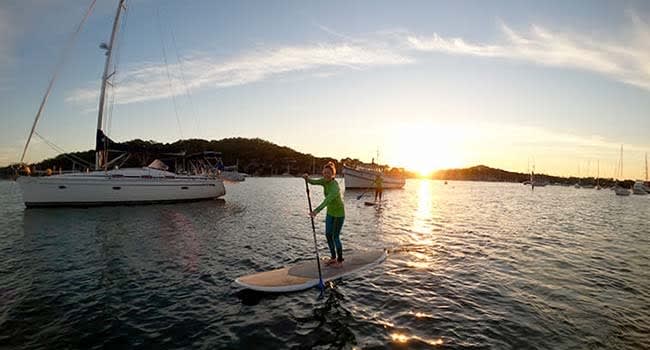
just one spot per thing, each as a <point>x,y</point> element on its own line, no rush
<point>364,177</point>
<point>117,186</point>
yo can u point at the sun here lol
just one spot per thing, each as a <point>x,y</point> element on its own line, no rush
<point>425,148</point>
<point>423,169</point>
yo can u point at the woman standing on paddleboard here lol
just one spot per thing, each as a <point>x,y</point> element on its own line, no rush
<point>379,186</point>
<point>335,212</point>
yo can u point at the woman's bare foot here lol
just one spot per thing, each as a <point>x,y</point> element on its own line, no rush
<point>330,262</point>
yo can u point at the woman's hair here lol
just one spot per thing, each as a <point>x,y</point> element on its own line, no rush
<point>331,166</point>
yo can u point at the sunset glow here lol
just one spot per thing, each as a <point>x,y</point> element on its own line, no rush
<point>424,147</point>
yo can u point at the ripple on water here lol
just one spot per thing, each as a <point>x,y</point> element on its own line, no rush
<point>471,265</point>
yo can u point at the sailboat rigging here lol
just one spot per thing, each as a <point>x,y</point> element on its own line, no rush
<point>105,186</point>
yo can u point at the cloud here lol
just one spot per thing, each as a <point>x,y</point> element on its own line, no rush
<point>150,81</point>
<point>627,60</point>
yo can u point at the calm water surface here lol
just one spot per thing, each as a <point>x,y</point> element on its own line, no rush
<point>471,265</point>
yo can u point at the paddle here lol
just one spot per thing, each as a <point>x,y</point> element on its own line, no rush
<point>366,191</point>
<point>363,194</point>
<point>313,228</point>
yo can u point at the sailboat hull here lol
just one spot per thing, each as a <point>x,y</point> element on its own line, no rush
<point>137,186</point>
<point>362,178</point>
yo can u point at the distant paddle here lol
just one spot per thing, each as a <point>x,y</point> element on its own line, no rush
<point>313,228</point>
<point>363,194</point>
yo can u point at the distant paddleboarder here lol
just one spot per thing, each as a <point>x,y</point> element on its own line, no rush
<point>379,187</point>
<point>335,212</point>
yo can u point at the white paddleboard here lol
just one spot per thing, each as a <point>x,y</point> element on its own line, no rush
<point>305,275</point>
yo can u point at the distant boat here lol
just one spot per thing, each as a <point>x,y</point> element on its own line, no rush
<point>107,185</point>
<point>647,183</point>
<point>364,177</point>
<point>232,176</point>
<point>598,177</point>
<point>639,188</point>
<point>620,191</point>
<point>533,182</point>
<point>231,173</point>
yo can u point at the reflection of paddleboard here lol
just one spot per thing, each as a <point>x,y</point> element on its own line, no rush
<point>305,275</point>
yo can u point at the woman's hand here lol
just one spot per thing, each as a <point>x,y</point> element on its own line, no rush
<point>313,214</point>
<point>305,176</point>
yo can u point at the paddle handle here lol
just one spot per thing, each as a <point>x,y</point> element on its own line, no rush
<point>313,229</point>
<point>313,226</point>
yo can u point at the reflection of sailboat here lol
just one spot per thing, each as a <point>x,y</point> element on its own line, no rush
<point>104,186</point>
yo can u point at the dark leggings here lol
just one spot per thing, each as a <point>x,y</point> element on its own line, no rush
<point>333,227</point>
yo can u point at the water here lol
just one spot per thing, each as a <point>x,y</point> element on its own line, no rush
<point>473,265</point>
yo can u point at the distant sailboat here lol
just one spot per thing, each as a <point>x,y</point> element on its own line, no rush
<point>588,183</point>
<point>598,176</point>
<point>362,176</point>
<point>620,191</point>
<point>640,187</point>
<point>646,184</point>
<point>534,182</point>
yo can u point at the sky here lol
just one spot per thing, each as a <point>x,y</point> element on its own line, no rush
<point>558,85</point>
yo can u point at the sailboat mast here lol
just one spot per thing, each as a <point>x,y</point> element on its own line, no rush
<point>100,160</point>
<point>532,178</point>
<point>621,161</point>
<point>646,167</point>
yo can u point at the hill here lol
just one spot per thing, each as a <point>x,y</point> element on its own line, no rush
<point>253,156</point>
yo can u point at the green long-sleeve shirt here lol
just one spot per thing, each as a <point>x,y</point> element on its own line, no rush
<point>332,200</point>
<point>379,183</point>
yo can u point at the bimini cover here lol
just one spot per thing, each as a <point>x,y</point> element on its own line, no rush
<point>158,164</point>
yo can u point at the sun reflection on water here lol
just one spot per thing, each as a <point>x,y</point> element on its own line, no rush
<point>404,338</point>
<point>400,338</point>
<point>421,314</point>
<point>424,212</point>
